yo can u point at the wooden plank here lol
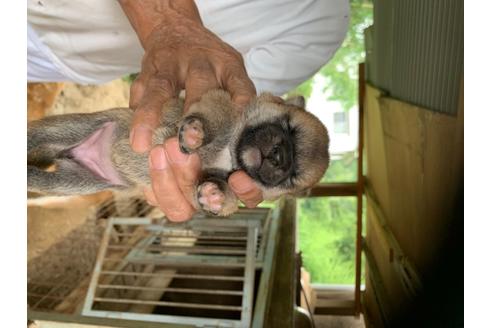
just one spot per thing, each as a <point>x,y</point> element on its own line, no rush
<point>403,266</point>
<point>424,168</point>
<point>334,307</point>
<point>333,300</point>
<point>333,189</point>
<point>360,191</point>
<point>281,305</point>
<point>415,163</point>
<point>377,285</point>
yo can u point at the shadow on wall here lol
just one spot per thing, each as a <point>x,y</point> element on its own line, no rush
<point>441,302</point>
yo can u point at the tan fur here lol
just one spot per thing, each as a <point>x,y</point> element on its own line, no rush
<point>224,130</point>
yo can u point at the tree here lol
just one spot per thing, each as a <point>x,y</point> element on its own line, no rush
<point>341,72</point>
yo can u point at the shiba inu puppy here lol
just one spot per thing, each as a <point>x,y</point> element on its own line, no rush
<point>278,143</point>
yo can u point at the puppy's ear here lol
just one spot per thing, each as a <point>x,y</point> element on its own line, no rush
<point>297,101</point>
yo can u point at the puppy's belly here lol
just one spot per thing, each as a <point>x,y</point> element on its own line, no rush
<point>94,153</point>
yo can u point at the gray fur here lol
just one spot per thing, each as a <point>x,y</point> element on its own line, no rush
<point>51,139</point>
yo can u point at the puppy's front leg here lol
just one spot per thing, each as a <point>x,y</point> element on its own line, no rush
<point>193,133</point>
<point>209,122</point>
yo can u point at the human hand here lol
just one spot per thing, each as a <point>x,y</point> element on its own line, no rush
<point>180,53</point>
<point>245,189</point>
<point>175,175</point>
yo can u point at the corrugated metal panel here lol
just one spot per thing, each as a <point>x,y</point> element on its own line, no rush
<point>416,51</point>
<point>383,36</point>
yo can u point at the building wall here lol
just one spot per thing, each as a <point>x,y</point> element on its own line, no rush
<point>415,168</point>
<point>414,146</point>
<point>324,109</point>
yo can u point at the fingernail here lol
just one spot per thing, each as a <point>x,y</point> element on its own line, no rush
<point>174,153</point>
<point>141,138</point>
<point>158,159</point>
<point>241,185</point>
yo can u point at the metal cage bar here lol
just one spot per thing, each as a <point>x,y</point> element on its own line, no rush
<point>156,259</point>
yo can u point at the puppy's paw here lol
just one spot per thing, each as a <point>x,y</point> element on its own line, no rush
<point>191,134</point>
<point>211,197</point>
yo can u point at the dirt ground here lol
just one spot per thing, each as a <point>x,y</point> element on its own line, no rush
<point>91,98</point>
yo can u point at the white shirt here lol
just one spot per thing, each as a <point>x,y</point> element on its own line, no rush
<point>283,42</point>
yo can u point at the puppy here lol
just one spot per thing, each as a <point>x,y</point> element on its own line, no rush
<point>277,143</point>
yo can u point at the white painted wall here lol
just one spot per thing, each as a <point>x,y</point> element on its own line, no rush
<point>324,109</point>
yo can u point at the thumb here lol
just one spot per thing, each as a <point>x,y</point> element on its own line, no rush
<point>245,189</point>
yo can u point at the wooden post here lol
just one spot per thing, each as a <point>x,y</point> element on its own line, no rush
<point>334,189</point>
<point>281,305</point>
<point>360,191</point>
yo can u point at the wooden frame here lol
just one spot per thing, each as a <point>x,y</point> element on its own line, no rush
<point>351,189</point>
<point>360,192</point>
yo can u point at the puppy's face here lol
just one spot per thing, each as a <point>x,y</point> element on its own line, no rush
<point>267,152</point>
<point>282,147</point>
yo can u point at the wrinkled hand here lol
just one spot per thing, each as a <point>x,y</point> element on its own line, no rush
<point>180,53</point>
<point>174,175</point>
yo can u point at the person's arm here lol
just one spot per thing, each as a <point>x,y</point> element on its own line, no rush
<point>180,53</point>
<point>145,15</point>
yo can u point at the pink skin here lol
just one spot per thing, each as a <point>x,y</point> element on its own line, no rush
<point>211,197</point>
<point>193,134</point>
<point>173,182</point>
<point>252,157</point>
<point>95,152</point>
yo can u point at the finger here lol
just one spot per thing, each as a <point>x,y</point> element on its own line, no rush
<point>137,90</point>
<point>199,80</point>
<point>239,85</point>
<point>186,168</point>
<point>166,189</point>
<point>148,114</point>
<point>149,196</point>
<point>245,189</point>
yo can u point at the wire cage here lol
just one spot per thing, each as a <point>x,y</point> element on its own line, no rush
<point>58,278</point>
<point>64,267</point>
<point>204,272</point>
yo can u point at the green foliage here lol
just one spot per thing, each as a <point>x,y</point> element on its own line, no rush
<point>341,72</point>
<point>303,89</point>
<point>267,204</point>
<point>327,238</point>
<point>327,226</point>
<point>130,78</point>
<point>342,170</point>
